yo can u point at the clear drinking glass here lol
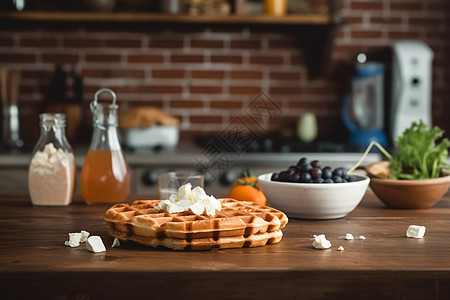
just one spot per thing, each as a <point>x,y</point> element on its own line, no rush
<point>170,182</point>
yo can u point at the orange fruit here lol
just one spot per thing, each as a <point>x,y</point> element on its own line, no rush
<point>247,189</point>
<point>246,181</point>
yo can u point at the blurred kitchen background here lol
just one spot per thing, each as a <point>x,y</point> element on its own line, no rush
<point>207,73</point>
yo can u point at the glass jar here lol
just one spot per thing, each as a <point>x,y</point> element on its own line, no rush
<point>52,171</point>
<point>105,176</point>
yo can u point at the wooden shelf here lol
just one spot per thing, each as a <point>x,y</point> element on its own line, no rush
<point>40,16</point>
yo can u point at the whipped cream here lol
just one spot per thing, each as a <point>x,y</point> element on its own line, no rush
<point>84,236</point>
<point>116,243</point>
<point>75,238</point>
<point>349,236</point>
<point>415,231</point>
<point>95,244</point>
<point>195,200</point>
<point>321,242</point>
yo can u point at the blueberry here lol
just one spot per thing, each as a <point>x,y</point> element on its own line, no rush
<point>295,177</point>
<point>316,172</point>
<point>306,168</point>
<point>337,179</point>
<point>344,172</point>
<point>350,178</point>
<point>284,176</point>
<point>318,180</point>
<point>290,171</point>
<point>303,161</point>
<point>341,172</point>
<point>275,177</point>
<point>305,178</point>
<point>316,164</point>
<point>306,171</point>
<point>327,174</point>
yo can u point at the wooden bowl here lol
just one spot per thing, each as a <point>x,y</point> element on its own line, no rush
<point>421,193</point>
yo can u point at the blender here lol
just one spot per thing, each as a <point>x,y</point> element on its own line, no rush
<point>363,106</point>
<point>411,86</point>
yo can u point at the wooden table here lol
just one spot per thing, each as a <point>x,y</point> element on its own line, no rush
<point>34,261</point>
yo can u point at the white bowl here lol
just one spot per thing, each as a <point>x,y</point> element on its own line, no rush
<point>314,200</point>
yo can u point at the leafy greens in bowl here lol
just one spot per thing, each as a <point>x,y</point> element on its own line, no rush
<point>416,176</point>
<point>417,156</point>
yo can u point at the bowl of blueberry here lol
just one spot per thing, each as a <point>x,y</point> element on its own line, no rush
<point>309,190</point>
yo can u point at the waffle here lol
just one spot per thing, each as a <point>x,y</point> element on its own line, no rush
<point>238,224</point>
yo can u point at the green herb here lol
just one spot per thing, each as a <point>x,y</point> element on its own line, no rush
<point>418,156</point>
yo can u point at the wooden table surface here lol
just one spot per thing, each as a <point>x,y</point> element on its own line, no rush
<point>387,264</point>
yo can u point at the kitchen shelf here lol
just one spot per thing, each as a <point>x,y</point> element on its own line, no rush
<point>41,16</point>
<point>317,29</point>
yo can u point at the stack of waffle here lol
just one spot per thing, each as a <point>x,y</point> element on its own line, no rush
<point>239,224</point>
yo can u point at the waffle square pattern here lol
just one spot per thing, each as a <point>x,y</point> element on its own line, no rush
<point>239,224</point>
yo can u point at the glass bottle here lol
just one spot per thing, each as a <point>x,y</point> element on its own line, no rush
<point>105,176</point>
<point>52,171</point>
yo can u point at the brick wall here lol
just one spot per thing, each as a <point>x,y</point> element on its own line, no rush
<point>206,75</point>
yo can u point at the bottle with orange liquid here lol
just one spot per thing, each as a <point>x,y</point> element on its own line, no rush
<point>105,176</point>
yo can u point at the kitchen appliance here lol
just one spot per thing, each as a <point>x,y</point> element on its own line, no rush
<point>411,86</point>
<point>158,136</point>
<point>363,106</point>
<point>148,128</point>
